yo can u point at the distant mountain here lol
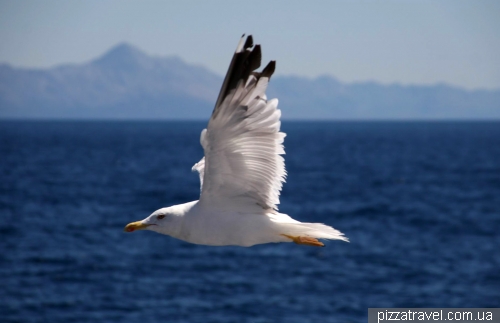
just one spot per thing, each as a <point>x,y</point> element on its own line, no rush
<point>125,83</point>
<point>325,97</point>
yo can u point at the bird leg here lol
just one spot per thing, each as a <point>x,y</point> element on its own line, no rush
<point>308,241</point>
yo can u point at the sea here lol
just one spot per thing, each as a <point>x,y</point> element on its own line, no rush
<point>419,201</point>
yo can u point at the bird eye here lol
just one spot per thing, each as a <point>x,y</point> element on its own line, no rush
<point>161,216</point>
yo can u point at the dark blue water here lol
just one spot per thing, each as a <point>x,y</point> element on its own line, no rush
<point>419,201</point>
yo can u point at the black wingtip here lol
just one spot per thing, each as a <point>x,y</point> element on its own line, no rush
<point>248,42</point>
<point>243,64</point>
<point>269,69</point>
<point>255,58</point>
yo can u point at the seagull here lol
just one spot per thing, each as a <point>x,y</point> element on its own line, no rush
<point>242,172</point>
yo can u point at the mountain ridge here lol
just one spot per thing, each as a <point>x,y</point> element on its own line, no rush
<point>126,83</point>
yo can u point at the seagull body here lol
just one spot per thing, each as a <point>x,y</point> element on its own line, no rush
<point>242,172</point>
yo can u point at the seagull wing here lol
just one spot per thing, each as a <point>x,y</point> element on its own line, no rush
<point>243,142</point>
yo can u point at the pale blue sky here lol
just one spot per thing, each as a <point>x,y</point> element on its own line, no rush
<point>403,41</point>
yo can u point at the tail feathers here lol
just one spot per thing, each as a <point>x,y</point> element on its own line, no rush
<point>316,230</point>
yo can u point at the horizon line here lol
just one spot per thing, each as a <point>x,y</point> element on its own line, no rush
<point>392,120</point>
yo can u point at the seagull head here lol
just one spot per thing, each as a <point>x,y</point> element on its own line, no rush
<point>164,220</point>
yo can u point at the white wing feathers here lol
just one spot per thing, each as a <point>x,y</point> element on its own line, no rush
<point>243,142</point>
<point>200,168</point>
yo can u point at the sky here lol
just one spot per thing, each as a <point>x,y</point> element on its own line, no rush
<point>400,41</point>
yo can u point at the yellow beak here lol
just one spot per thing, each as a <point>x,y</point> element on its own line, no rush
<point>131,227</point>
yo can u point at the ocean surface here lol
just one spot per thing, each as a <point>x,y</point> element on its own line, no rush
<point>420,202</point>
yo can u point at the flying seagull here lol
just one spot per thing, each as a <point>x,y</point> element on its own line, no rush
<point>242,172</point>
